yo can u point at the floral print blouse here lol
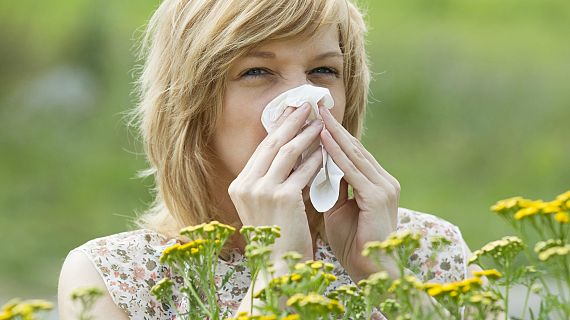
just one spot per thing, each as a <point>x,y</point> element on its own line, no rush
<point>129,264</point>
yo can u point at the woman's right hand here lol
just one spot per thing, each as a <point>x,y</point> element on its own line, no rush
<point>267,193</point>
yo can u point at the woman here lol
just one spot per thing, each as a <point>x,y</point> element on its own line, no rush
<point>210,69</point>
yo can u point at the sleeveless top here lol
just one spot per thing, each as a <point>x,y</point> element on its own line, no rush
<point>129,264</point>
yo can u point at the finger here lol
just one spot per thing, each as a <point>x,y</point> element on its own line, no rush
<point>288,154</point>
<point>351,147</point>
<point>306,171</point>
<point>282,118</point>
<point>353,175</point>
<point>265,152</point>
<point>365,152</point>
<point>274,126</point>
<point>393,181</point>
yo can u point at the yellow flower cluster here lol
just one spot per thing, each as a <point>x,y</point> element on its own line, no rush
<point>315,303</point>
<point>408,283</point>
<point>346,289</point>
<point>490,273</point>
<point>453,289</point>
<point>162,289</point>
<point>375,279</point>
<point>393,242</point>
<point>525,208</point>
<point>25,310</point>
<point>309,271</point>
<point>211,230</point>
<point>268,231</point>
<point>543,245</point>
<point>509,245</point>
<point>554,251</point>
<point>503,206</point>
<point>86,292</point>
<point>244,315</point>
<point>486,298</point>
<point>187,250</point>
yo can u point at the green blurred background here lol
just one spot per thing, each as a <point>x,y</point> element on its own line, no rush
<point>471,104</point>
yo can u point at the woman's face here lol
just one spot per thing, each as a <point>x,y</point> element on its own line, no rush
<point>262,74</point>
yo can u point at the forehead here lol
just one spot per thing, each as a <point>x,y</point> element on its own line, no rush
<point>324,39</point>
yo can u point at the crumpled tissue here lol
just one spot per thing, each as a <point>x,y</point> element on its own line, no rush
<point>324,190</point>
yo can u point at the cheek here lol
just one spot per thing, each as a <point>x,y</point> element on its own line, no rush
<point>339,107</point>
<point>239,132</point>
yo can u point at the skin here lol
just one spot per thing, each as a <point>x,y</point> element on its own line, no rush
<point>255,168</point>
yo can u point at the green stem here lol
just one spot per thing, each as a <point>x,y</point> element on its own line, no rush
<point>525,305</point>
<point>507,289</point>
<point>190,286</point>
<point>253,280</point>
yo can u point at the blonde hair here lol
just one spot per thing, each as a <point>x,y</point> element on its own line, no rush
<point>187,49</point>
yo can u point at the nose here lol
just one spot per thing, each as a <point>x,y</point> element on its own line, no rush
<point>295,80</point>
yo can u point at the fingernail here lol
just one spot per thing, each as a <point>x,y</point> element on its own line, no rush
<point>288,111</point>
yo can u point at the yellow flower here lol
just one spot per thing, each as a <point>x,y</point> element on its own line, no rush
<point>554,251</point>
<point>526,203</point>
<point>551,207</point>
<point>394,241</point>
<point>316,265</point>
<point>491,274</point>
<point>330,277</point>
<point>543,245</point>
<point>169,251</point>
<point>562,217</point>
<point>6,315</point>
<point>315,301</point>
<point>526,212</point>
<point>329,266</point>
<point>296,277</point>
<point>564,197</point>
<point>506,204</point>
<point>497,248</point>
<point>435,291</point>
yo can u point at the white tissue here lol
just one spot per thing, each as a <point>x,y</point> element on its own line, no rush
<point>324,191</point>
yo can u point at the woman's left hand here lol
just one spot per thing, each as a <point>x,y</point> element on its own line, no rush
<point>373,212</point>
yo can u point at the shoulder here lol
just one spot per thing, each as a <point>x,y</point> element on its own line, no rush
<point>78,272</point>
<point>442,255</point>
<point>126,265</point>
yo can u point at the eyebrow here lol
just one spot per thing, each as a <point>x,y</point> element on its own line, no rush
<point>271,55</point>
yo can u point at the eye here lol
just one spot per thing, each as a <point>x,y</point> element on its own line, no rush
<point>327,71</point>
<point>254,73</point>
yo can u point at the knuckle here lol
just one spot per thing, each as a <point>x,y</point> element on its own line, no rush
<point>284,195</point>
<point>260,192</point>
<point>288,150</point>
<point>355,142</point>
<point>393,193</point>
<point>356,151</point>
<point>270,143</point>
<point>397,186</point>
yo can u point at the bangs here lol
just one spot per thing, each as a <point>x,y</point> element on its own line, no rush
<point>267,20</point>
